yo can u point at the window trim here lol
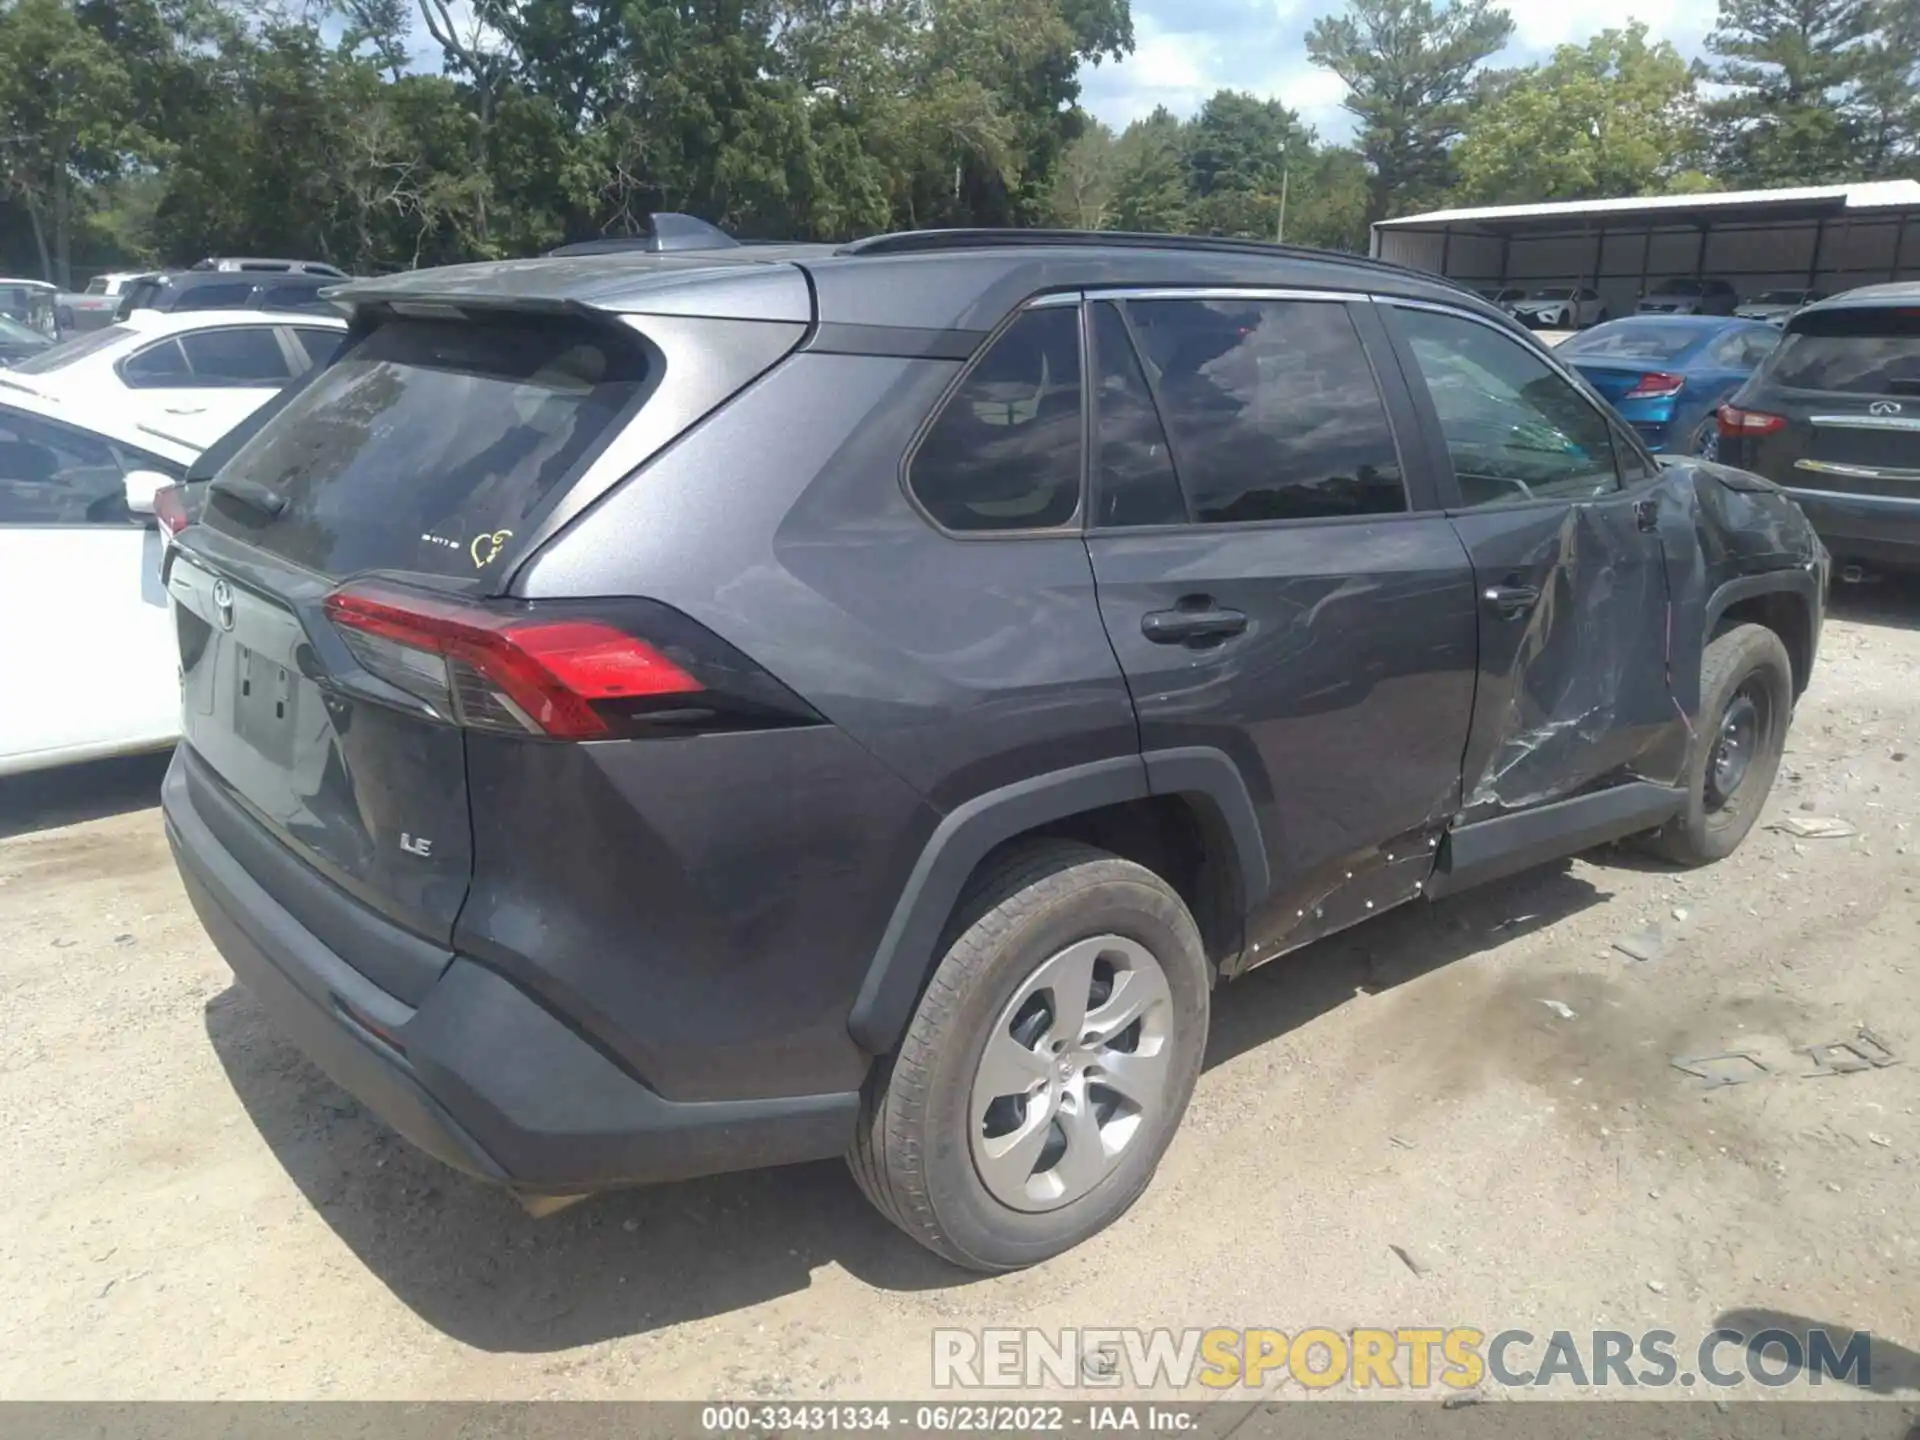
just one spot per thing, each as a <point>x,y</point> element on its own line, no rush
<point>1346,300</point>
<point>1075,525</point>
<point>1091,346</point>
<point>135,382</point>
<point>1450,499</point>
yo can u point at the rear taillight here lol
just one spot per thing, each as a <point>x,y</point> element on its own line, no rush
<point>558,670</point>
<point>1656,385</point>
<point>1735,422</point>
<point>170,508</point>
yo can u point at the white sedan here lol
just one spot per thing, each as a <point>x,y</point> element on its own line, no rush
<point>86,641</point>
<point>189,376</point>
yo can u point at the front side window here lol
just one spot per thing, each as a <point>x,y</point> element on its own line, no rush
<point>1004,453</point>
<point>164,364</point>
<point>1272,409</point>
<point>1516,430</point>
<point>54,474</point>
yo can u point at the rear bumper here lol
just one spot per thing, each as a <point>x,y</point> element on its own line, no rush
<point>479,1075</point>
<point>1875,529</point>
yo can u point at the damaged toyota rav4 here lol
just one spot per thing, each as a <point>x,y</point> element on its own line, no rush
<point>664,712</point>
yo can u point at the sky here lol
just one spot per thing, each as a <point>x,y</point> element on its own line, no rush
<point>1184,50</point>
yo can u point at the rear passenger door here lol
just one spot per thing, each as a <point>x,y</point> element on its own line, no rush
<point>1278,583</point>
<point>1571,533</point>
<point>200,384</point>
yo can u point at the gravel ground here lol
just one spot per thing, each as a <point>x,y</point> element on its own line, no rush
<point>188,1209</point>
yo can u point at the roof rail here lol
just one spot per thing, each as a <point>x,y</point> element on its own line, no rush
<point>912,242</point>
<point>666,231</point>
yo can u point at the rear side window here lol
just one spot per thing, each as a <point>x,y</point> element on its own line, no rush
<point>429,445</point>
<point>1133,479</point>
<point>240,356</point>
<point>1864,352</point>
<point>1004,453</point>
<point>1272,407</point>
<point>319,344</point>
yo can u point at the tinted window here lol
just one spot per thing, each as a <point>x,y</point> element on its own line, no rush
<point>162,364</point>
<point>250,356</point>
<point>1134,482</point>
<point>296,295</point>
<point>319,344</point>
<point>1743,349</point>
<point>1272,408</point>
<point>1005,452</point>
<point>430,443</point>
<point>53,474</point>
<point>1630,340</point>
<point>1516,430</point>
<point>231,296</point>
<point>1863,351</point>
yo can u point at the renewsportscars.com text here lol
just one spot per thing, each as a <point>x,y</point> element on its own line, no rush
<point>1411,1358</point>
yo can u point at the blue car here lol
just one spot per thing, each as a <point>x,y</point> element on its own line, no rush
<point>1667,374</point>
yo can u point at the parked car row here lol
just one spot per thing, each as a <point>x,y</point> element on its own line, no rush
<point>1574,307</point>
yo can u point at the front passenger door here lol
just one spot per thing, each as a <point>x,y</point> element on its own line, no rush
<point>1570,562</point>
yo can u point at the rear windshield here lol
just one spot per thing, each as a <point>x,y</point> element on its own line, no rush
<point>429,444</point>
<point>56,357</point>
<point>1863,351</point>
<point>1631,340</point>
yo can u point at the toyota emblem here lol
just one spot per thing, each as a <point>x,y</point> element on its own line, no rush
<point>223,604</point>
<point>1884,407</point>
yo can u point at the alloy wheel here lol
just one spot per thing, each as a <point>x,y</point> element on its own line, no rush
<point>1072,1074</point>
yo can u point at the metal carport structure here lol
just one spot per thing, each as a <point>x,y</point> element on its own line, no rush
<point>1828,237</point>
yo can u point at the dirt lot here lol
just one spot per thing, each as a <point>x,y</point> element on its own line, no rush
<point>188,1209</point>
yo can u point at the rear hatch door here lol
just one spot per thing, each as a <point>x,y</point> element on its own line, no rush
<point>1848,382</point>
<point>418,465</point>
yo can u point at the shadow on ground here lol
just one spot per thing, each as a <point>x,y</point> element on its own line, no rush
<point>70,794</point>
<point>1780,1344</point>
<point>1891,600</point>
<point>467,1260</point>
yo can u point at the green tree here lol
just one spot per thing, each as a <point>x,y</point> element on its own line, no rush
<point>67,120</point>
<point>1084,180</point>
<point>1795,73</point>
<point>1410,70</point>
<point>1615,116</point>
<point>1150,176</point>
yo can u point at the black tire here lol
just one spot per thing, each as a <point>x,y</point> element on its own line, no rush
<point>1744,664</point>
<point>912,1152</point>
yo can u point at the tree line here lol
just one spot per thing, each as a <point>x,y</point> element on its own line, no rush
<point>139,132</point>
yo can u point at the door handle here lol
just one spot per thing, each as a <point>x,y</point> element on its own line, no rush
<point>1510,602</point>
<point>1196,621</point>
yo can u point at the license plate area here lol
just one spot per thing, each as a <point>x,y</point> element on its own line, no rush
<point>265,704</point>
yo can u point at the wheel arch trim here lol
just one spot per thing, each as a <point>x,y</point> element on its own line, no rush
<point>908,948</point>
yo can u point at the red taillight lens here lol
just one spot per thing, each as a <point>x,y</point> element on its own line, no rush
<point>170,508</point>
<point>505,671</point>
<point>1735,422</point>
<point>1656,385</point>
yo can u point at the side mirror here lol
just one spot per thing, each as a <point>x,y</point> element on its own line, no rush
<point>141,487</point>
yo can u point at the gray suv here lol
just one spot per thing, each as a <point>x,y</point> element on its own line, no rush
<point>653,714</point>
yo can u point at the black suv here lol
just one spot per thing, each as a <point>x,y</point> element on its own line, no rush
<point>655,714</point>
<point>1834,416</point>
<point>262,285</point>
